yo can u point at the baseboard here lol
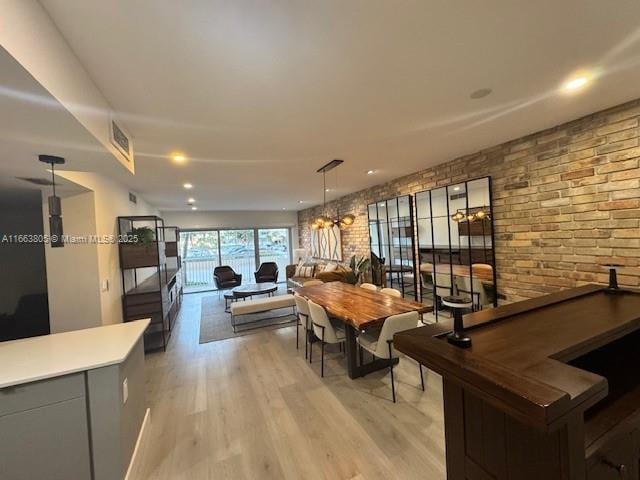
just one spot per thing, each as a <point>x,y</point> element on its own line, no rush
<point>145,421</point>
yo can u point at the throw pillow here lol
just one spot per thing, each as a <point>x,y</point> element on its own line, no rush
<point>303,271</point>
<point>330,267</point>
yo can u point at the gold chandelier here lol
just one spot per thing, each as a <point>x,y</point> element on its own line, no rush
<point>324,220</point>
<point>480,214</point>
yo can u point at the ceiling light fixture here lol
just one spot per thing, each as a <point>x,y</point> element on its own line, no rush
<point>370,172</point>
<point>191,200</point>
<point>480,93</point>
<point>178,157</point>
<point>576,83</point>
<point>194,208</point>
<point>323,220</point>
<point>188,186</point>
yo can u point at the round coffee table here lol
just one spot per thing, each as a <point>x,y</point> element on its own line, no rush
<point>249,290</point>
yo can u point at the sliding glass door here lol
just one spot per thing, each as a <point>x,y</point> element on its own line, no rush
<point>238,250</point>
<point>241,249</point>
<point>200,255</point>
<point>275,247</point>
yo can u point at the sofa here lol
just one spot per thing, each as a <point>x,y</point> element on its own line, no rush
<point>318,273</point>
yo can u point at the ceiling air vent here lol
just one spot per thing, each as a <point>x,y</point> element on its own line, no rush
<point>133,198</point>
<point>37,181</point>
<point>121,140</point>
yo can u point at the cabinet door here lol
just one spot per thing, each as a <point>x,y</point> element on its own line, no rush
<point>617,461</point>
<point>49,442</point>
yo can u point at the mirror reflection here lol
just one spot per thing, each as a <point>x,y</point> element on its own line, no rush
<point>455,244</point>
<point>392,244</point>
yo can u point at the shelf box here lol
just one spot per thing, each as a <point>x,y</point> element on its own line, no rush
<point>171,249</point>
<point>138,256</point>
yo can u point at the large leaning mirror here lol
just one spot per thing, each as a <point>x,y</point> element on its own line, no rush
<point>455,244</point>
<point>391,241</point>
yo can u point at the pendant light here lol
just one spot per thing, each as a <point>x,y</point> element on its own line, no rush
<point>323,220</point>
<point>55,204</point>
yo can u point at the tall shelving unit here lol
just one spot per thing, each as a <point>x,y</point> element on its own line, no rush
<point>150,278</point>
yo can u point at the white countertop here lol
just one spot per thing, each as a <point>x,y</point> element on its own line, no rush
<point>37,358</point>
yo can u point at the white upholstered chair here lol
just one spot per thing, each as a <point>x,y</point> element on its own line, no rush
<point>326,331</point>
<point>392,292</point>
<point>381,345</point>
<point>302,308</point>
<point>368,286</point>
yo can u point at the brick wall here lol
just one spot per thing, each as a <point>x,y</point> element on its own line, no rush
<point>566,202</point>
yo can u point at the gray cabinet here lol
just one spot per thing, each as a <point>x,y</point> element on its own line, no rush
<point>44,432</point>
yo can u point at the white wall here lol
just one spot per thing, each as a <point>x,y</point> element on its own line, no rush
<point>234,219</point>
<point>72,270</point>
<point>111,200</point>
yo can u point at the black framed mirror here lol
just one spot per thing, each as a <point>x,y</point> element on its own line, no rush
<point>391,240</point>
<point>456,243</point>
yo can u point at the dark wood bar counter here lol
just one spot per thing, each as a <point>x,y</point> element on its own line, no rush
<point>549,389</point>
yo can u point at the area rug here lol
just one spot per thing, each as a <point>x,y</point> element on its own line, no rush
<point>215,323</point>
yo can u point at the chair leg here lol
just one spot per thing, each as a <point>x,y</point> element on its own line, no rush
<point>393,387</point>
<point>306,337</point>
<point>310,352</point>
<point>297,332</point>
<point>322,354</point>
<point>344,349</point>
<point>421,376</point>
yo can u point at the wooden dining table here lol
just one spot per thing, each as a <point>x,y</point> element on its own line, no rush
<point>359,309</point>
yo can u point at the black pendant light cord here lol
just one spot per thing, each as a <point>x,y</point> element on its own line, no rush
<point>53,178</point>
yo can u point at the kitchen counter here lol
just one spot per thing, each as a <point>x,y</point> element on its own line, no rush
<point>38,358</point>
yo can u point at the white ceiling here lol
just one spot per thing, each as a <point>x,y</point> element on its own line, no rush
<point>261,93</point>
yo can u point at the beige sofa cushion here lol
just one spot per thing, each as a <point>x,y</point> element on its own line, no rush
<point>262,304</point>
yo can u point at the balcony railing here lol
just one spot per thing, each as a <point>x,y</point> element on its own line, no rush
<point>198,272</point>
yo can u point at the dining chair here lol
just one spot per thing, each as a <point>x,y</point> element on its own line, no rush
<point>311,283</point>
<point>368,286</point>
<point>381,345</point>
<point>392,292</point>
<point>326,331</point>
<point>302,308</point>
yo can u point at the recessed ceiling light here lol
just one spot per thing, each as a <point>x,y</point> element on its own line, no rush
<point>178,157</point>
<point>455,189</point>
<point>327,189</point>
<point>576,83</point>
<point>300,201</point>
<point>188,186</point>
<point>371,172</point>
<point>480,93</point>
<point>284,208</point>
<point>191,200</point>
<point>194,208</point>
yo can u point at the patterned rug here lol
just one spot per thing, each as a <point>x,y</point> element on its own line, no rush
<point>215,323</point>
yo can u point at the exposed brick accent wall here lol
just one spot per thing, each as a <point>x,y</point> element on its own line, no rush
<point>566,202</point>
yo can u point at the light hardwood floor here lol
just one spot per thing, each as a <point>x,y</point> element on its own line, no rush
<point>253,408</point>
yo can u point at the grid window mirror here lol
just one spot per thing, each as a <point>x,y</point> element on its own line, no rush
<point>456,243</point>
<point>391,240</point>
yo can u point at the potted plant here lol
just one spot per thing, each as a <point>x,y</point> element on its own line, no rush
<point>358,265</point>
<point>141,236</point>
